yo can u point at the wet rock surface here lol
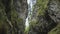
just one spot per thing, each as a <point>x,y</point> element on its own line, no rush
<point>48,21</point>
<point>54,11</point>
<point>45,16</point>
<point>13,14</point>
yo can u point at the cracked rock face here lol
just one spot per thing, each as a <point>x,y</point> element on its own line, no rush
<point>48,21</point>
<point>21,8</point>
<point>12,12</point>
<point>54,10</point>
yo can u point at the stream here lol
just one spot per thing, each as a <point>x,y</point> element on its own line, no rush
<point>30,3</point>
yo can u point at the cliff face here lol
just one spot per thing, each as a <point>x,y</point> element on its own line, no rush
<point>12,16</point>
<point>45,16</point>
<point>21,8</point>
<point>54,13</point>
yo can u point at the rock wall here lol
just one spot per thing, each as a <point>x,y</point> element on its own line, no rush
<point>45,16</point>
<point>12,16</point>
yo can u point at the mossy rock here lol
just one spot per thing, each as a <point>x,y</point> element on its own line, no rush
<point>55,30</point>
<point>42,4</point>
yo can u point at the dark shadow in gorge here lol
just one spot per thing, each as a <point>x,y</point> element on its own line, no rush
<point>47,27</point>
<point>3,30</point>
<point>51,23</point>
<point>7,5</point>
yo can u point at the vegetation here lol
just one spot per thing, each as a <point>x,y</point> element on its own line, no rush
<point>11,22</point>
<point>55,30</point>
<point>42,6</point>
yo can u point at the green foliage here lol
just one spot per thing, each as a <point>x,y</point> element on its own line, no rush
<point>2,14</point>
<point>56,30</point>
<point>11,14</point>
<point>33,23</point>
<point>26,30</point>
<point>3,17</point>
<point>42,5</point>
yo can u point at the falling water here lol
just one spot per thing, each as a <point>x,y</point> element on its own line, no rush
<point>30,5</point>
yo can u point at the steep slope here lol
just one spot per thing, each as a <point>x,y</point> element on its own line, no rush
<point>45,16</point>
<point>55,30</point>
<point>12,16</point>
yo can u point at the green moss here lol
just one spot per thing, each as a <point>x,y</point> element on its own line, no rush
<point>26,30</point>
<point>16,21</point>
<point>11,14</point>
<point>56,30</point>
<point>2,14</point>
<point>42,5</point>
<point>33,23</point>
<point>3,18</point>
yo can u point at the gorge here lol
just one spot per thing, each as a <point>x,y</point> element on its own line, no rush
<point>29,16</point>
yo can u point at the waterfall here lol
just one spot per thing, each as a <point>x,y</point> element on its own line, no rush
<point>30,6</point>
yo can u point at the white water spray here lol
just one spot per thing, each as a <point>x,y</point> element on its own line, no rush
<point>30,5</point>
